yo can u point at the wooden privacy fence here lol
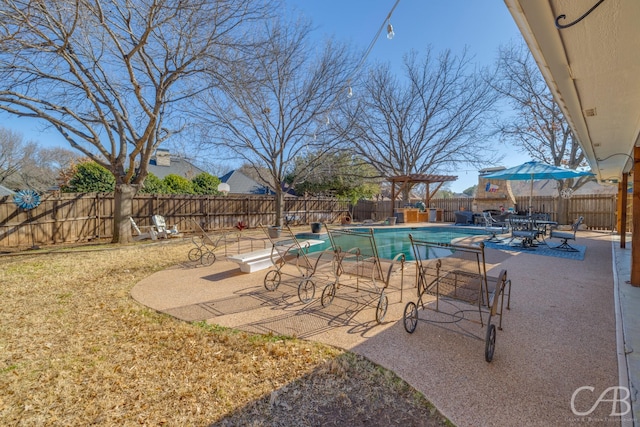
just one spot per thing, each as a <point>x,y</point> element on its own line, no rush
<point>599,211</point>
<point>68,218</point>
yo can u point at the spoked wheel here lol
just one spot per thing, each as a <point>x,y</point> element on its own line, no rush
<point>327,294</point>
<point>306,290</point>
<point>208,258</point>
<point>410,317</point>
<point>195,254</point>
<point>381,309</point>
<point>272,280</point>
<point>490,342</point>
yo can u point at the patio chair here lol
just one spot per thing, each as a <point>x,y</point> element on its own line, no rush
<point>139,235</point>
<point>566,236</point>
<point>523,228</point>
<point>163,229</point>
<point>493,227</point>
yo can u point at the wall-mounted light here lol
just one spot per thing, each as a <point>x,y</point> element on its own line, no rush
<point>609,181</point>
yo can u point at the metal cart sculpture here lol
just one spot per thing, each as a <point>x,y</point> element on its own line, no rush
<point>358,263</point>
<point>206,244</point>
<point>286,249</point>
<point>453,286</point>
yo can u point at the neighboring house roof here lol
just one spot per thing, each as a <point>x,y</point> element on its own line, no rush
<point>242,184</point>
<point>163,164</point>
<point>4,191</point>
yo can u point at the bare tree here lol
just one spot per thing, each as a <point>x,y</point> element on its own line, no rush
<point>23,164</point>
<point>537,126</point>
<point>13,155</point>
<point>109,75</point>
<point>430,121</point>
<point>278,104</point>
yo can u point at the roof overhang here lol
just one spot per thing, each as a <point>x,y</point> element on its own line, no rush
<point>593,71</point>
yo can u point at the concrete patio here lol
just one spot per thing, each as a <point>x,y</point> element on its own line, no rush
<point>566,329</point>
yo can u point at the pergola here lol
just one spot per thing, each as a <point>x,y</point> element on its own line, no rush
<point>418,178</point>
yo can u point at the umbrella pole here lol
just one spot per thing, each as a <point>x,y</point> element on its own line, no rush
<point>531,197</point>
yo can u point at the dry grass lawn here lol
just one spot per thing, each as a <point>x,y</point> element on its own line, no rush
<point>76,349</point>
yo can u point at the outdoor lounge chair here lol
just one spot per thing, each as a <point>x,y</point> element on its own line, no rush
<point>163,229</point>
<point>140,235</point>
<point>493,227</point>
<point>565,236</point>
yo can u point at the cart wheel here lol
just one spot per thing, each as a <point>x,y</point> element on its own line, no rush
<point>306,290</point>
<point>195,254</point>
<point>381,310</point>
<point>410,317</point>
<point>490,342</point>
<point>272,280</point>
<point>327,294</point>
<point>208,258</point>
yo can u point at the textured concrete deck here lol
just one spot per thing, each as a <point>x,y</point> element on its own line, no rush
<point>559,335</point>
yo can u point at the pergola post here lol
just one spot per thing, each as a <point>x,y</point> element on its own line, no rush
<point>393,198</point>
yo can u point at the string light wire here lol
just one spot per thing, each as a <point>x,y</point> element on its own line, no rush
<point>362,61</point>
<point>375,38</point>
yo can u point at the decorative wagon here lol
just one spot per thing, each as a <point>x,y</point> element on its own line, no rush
<point>453,288</point>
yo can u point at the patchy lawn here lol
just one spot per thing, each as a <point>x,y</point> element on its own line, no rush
<point>76,349</point>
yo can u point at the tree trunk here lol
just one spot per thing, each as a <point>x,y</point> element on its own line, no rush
<point>279,206</point>
<point>406,194</point>
<point>563,211</point>
<point>123,208</point>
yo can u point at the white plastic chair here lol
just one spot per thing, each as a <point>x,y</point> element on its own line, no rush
<point>164,231</point>
<point>149,234</point>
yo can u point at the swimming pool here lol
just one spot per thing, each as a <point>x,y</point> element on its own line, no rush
<point>394,240</point>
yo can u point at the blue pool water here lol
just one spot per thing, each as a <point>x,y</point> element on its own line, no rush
<point>392,241</point>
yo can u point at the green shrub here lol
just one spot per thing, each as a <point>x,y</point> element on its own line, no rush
<point>204,183</point>
<point>176,184</point>
<point>153,185</point>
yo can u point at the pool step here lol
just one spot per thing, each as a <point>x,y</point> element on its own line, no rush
<point>259,260</point>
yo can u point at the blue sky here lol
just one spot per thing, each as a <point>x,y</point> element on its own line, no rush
<point>445,24</point>
<point>480,25</point>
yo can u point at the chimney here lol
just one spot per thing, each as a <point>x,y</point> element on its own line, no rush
<point>163,157</point>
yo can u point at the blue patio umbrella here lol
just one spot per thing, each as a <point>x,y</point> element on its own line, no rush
<point>535,170</point>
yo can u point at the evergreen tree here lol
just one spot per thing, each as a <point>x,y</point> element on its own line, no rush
<point>90,177</point>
